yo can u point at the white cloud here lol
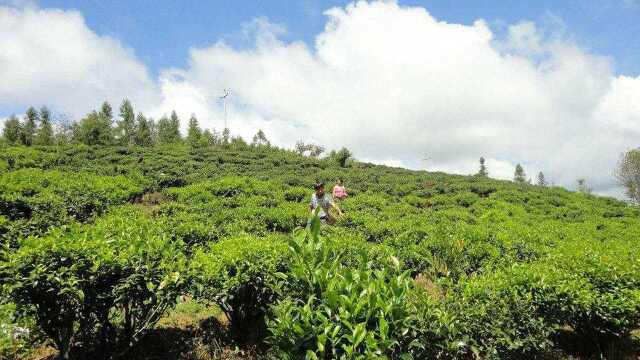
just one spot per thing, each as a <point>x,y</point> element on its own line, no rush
<point>392,83</point>
<point>525,38</point>
<point>50,57</point>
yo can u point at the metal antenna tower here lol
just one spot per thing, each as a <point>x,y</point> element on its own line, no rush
<point>224,105</point>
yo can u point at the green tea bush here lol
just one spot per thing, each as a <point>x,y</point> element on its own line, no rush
<point>191,226</point>
<point>29,157</point>
<point>607,307</point>
<point>240,276</point>
<point>350,246</point>
<point>296,194</point>
<point>466,199</point>
<point>519,310</point>
<point>415,200</point>
<point>34,200</point>
<point>98,286</point>
<point>409,249</point>
<point>226,187</point>
<point>505,314</point>
<point>498,267</point>
<point>284,218</point>
<point>483,189</point>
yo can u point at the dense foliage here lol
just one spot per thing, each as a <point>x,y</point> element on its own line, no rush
<point>101,285</point>
<point>338,312</point>
<point>33,200</point>
<point>422,265</point>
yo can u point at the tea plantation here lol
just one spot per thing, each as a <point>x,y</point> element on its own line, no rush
<point>104,247</point>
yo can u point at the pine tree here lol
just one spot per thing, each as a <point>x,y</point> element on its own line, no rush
<point>127,124</point>
<point>106,112</point>
<point>175,127</point>
<point>260,139</point>
<point>541,180</point>
<point>194,134</point>
<point>519,175</point>
<point>164,137</point>
<point>94,129</point>
<point>12,131</point>
<point>153,130</point>
<point>29,127</point>
<point>44,134</point>
<point>143,132</point>
<point>169,129</point>
<point>226,133</point>
<point>483,169</point>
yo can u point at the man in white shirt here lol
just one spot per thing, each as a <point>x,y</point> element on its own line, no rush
<point>323,200</point>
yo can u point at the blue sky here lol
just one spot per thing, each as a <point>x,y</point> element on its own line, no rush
<point>162,31</point>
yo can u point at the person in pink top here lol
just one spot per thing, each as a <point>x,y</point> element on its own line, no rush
<point>339,191</point>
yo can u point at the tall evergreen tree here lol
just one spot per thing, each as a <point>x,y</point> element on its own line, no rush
<point>153,130</point>
<point>143,131</point>
<point>226,134</point>
<point>541,180</point>
<point>519,176</point>
<point>44,134</point>
<point>126,124</point>
<point>12,131</point>
<point>483,168</point>
<point>169,129</point>
<point>29,127</point>
<point>163,126</point>
<point>94,129</point>
<point>260,139</point>
<point>194,134</point>
<point>106,111</point>
<point>175,127</point>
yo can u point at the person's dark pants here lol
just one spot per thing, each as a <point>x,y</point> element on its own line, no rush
<point>327,220</point>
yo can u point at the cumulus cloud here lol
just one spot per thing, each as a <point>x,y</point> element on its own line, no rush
<point>395,84</point>
<point>392,83</point>
<point>50,57</point>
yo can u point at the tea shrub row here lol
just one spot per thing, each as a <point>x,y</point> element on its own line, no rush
<point>33,200</point>
<point>422,265</point>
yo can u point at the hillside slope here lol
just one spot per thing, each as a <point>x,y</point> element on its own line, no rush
<point>422,264</point>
